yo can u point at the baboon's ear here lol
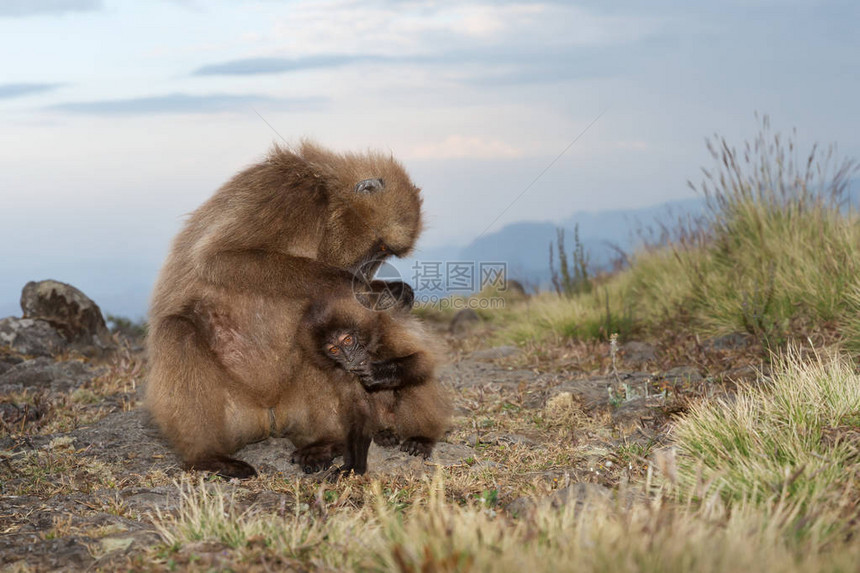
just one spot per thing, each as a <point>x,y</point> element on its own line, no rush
<point>369,185</point>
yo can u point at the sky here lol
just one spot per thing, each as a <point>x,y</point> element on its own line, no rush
<point>118,118</point>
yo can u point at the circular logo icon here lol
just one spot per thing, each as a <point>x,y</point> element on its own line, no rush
<point>385,291</point>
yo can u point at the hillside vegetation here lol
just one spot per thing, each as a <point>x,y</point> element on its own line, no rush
<point>775,256</point>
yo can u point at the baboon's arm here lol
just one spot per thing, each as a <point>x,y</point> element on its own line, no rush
<point>271,273</point>
<point>399,372</point>
<point>404,358</point>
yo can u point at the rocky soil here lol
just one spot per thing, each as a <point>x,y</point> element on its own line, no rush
<point>121,472</point>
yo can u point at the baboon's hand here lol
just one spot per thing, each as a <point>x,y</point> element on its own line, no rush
<point>384,375</point>
<point>316,457</point>
<point>386,438</point>
<point>418,446</point>
<point>375,378</point>
<point>365,374</point>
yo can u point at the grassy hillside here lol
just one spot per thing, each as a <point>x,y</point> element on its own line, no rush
<point>775,257</point>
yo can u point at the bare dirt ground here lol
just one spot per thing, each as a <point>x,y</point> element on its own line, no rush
<point>83,477</point>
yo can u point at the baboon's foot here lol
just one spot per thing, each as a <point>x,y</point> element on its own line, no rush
<point>386,438</point>
<point>316,457</point>
<point>418,446</point>
<point>224,466</point>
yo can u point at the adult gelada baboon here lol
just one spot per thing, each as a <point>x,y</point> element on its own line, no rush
<point>240,277</point>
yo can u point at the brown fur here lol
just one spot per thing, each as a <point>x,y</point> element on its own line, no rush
<point>235,285</point>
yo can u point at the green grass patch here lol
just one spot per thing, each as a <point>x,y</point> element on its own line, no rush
<point>792,436</point>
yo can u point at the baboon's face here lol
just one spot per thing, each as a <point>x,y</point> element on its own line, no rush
<point>345,348</point>
<point>376,215</point>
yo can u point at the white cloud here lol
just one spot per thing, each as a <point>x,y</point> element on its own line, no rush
<point>486,21</point>
<point>466,147</point>
<point>349,27</point>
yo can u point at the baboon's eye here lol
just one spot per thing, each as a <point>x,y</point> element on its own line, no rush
<point>348,341</point>
<point>333,349</point>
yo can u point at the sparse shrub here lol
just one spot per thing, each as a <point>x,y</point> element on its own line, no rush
<point>569,282</point>
<point>775,249</point>
<point>126,326</point>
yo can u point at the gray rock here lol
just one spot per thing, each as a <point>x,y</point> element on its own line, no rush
<point>30,336</point>
<point>684,374</point>
<point>731,341</point>
<point>635,351</point>
<point>127,438</point>
<point>142,499</point>
<point>64,554</point>
<point>14,414</point>
<point>72,313</point>
<point>45,374</point>
<point>495,353</point>
<point>521,506</point>
<point>463,321</point>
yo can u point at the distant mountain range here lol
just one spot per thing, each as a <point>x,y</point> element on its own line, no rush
<point>524,247</point>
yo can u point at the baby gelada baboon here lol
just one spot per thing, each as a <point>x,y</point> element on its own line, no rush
<point>225,362</point>
<point>388,389</point>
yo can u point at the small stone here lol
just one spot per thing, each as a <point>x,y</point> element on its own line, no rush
<point>687,374</point>
<point>463,321</point>
<point>484,465</point>
<point>731,341</point>
<point>515,439</point>
<point>148,500</point>
<point>521,506</point>
<point>111,544</point>
<point>635,351</point>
